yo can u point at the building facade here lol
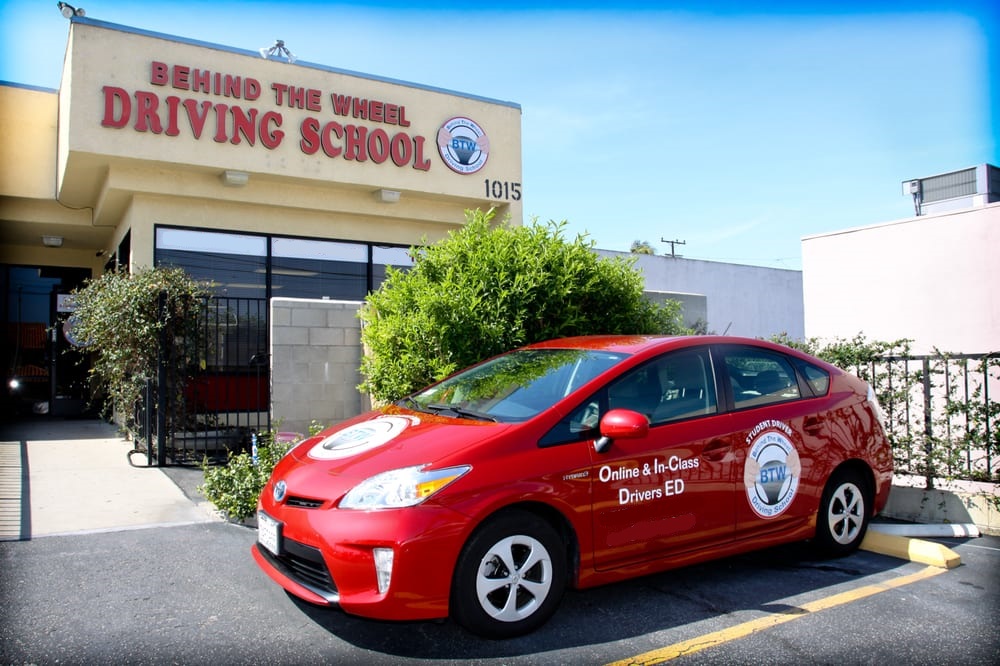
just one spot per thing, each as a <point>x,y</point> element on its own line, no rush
<point>267,177</point>
<point>289,186</point>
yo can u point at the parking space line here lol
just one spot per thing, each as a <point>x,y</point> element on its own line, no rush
<point>706,641</point>
<point>972,545</point>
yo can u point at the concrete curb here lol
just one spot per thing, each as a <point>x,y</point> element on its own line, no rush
<point>951,503</point>
<point>932,531</point>
<point>914,550</point>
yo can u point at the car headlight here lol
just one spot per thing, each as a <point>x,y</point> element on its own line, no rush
<point>400,488</point>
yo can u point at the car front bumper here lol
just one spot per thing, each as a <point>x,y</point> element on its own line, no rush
<point>327,558</point>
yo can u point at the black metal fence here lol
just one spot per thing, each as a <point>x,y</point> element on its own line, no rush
<point>942,413</point>
<point>223,397</point>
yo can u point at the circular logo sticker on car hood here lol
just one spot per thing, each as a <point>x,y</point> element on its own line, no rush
<point>361,437</point>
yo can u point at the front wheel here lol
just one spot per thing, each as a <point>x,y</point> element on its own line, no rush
<point>843,514</point>
<point>510,576</point>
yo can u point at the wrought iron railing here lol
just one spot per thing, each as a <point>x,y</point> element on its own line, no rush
<point>942,413</point>
<point>224,398</point>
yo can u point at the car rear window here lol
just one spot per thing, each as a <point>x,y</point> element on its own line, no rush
<point>817,378</point>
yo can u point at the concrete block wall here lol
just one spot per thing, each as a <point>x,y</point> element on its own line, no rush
<point>315,362</point>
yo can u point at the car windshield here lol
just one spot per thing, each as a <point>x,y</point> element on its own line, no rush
<point>515,386</point>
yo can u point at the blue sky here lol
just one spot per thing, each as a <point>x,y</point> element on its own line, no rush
<point>738,128</point>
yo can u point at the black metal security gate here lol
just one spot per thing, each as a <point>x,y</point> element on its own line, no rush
<point>223,398</point>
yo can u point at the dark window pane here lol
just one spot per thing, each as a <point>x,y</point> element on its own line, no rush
<point>817,378</point>
<point>317,269</point>
<point>760,377</point>
<point>235,264</point>
<point>397,257</point>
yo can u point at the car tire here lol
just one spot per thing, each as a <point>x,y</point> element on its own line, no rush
<point>844,512</point>
<point>510,576</point>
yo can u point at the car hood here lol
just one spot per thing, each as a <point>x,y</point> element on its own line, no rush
<point>333,462</point>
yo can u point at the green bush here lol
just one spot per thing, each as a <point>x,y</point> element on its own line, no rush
<point>119,317</point>
<point>488,288</point>
<point>235,487</point>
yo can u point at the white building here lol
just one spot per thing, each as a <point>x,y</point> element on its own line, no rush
<point>732,299</point>
<point>933,278</point>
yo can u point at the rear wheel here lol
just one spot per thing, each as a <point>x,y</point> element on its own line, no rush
<point>510,576</point>
<point>844,511</point>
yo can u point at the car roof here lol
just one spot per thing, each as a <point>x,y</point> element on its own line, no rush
<point>635,344</point>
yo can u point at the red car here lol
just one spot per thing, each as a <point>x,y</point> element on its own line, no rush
<point>576,462</point>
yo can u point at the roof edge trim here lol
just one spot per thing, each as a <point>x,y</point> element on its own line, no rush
<point>298,63</point>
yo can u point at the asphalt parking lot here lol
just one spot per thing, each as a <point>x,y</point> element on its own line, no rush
<point>191,594</point>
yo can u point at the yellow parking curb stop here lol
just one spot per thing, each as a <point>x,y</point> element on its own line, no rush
<point>914,550</point>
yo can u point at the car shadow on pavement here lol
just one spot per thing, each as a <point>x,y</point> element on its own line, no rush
<point>661,602</point>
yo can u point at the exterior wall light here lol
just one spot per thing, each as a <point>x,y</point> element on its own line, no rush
<point>69,11</point>
<point>232,178</point>
<point>387,196</point>
<point>278,50</point>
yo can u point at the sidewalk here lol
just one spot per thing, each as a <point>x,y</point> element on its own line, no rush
<point>72,476</point>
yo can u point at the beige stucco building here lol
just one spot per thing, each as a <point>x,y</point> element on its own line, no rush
<point>271,178</point>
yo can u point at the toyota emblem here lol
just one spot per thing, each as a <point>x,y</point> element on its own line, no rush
<point>279,491</point>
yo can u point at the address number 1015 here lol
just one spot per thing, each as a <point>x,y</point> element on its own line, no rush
<point>501,189</point>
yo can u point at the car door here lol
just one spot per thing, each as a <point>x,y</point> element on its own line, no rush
<point>671,490</point>
<point>775,453</point>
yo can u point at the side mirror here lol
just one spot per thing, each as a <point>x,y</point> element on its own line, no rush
<point>621,424</point>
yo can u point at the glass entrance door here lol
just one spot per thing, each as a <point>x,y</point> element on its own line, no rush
<point>43,374</point>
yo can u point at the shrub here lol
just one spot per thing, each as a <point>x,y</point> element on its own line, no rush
<point>119,317</point>
<point>486,289</point>
<point>235,487</point>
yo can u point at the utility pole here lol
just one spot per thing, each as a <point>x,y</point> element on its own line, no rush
<point>673,243</point>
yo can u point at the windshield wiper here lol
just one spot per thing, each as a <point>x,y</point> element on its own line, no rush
<point>409,403</point>
<point>451,410</point>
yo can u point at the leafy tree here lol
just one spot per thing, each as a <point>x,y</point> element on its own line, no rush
<point>118,316</point>
<point>488,288</point>
<point>641,247</point>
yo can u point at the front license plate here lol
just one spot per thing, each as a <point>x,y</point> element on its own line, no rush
<point>269,532</point>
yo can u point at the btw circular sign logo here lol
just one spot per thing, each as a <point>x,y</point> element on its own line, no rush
<point>771,473</point>
<point>463,145</point>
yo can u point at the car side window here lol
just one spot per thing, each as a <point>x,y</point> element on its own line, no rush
<point>760,377</point>
<point>580,424</point>
<point>817,378</point>
<point>678,385</point>
<point>688,386</point>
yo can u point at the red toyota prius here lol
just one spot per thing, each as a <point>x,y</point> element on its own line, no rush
<point>574,462</point>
